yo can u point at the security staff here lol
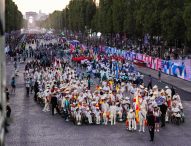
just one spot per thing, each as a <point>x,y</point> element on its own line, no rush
<point>151,124</point>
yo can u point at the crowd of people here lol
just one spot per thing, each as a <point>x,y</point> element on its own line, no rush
<point>98,90</point>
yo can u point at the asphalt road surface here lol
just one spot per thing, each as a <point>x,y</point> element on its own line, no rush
<point>32,127</point>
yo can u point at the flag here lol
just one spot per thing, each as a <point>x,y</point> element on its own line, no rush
<point>137,108</point>
<point>72,48</point>
<point>91,50</point>
<point>159,100</point>
<point>83,48</point>
<point>117,70</point>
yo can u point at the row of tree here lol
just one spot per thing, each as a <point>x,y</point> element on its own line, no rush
<point>77,16</point>
<point>168,19</point>
<point>13,17</point>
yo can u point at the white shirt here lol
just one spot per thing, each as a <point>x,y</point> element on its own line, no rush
<point>113,109</point>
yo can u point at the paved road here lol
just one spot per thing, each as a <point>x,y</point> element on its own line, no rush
<point>32,127</point>
<point>177,82</point>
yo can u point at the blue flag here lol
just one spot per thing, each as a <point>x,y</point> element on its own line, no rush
<point>117,70</point>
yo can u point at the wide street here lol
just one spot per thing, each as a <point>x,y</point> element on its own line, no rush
<point>110,38</point>
<point>30,126</point>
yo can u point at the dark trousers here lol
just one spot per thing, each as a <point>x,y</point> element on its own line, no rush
<point>163,120</point>
<point>149,86</point>
<point>89,87</point>
<point>28,89</point>
<point>152,132</point>
<point>55,107</point>
<point>35,96</point>
<point>32,89</point>
<point>66,114</point>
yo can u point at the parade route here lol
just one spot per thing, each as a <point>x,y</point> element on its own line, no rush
<point>95,73</point>
<point>171,80</point>
<point>30,126</point>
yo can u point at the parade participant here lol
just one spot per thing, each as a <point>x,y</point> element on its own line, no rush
<point>131,120</point>
<point>142,119</point>
<point>54,103</point>
<point>173,91</point>
<point>66,108</point>
<point>142,89</point>
<point>163,109</point>
<point>27,84</point>
<point>78,116</point>
<point>36,90</point>
<point>168,91</point>
<point>119,111</point>
<point>97,115</point>
<point>88,115</point>
<point>132,91</point>
<point>89,84</point>
<point>105,109</point>
<point>46,103</point>
<point>113,113</point>
<point>177,101</point>
<point>156,113</point>
<point>151,124</point>
<point>31,85</point>
<point>155,91</point>
<point>177,96</point>
<point>168,96</point>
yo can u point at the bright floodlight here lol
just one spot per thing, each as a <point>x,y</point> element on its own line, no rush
<point>99,34</point>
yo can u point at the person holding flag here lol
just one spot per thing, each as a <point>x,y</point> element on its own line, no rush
<point>72,48</point>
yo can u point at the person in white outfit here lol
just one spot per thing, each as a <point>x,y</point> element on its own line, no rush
<point>89,116</point>
<point>78,116</point>
<point>105,108</point>
<point>142,118</point>
<point>131,120</point>
<point>168,91</point>
<point>46,105</point>
<point>113,113</point>
<point>120,112</point>
<point>97,115</point>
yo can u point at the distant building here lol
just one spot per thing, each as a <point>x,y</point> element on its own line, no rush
<point>30,14</point>
<point>32,17</point>
<point>36,16</point>
<point>42,16</point>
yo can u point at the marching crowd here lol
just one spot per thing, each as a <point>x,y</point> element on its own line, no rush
<point>100,90</point>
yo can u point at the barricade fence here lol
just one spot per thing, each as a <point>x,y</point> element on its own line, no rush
<point>177,68</point>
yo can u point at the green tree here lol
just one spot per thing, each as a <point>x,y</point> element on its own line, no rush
<point>129,18</point>
<point>187,20</point>
<point>118,8</point>
<point>90,13</point>
<point>13,17</point>
<point>173,28</point>
<point>106,21</point>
